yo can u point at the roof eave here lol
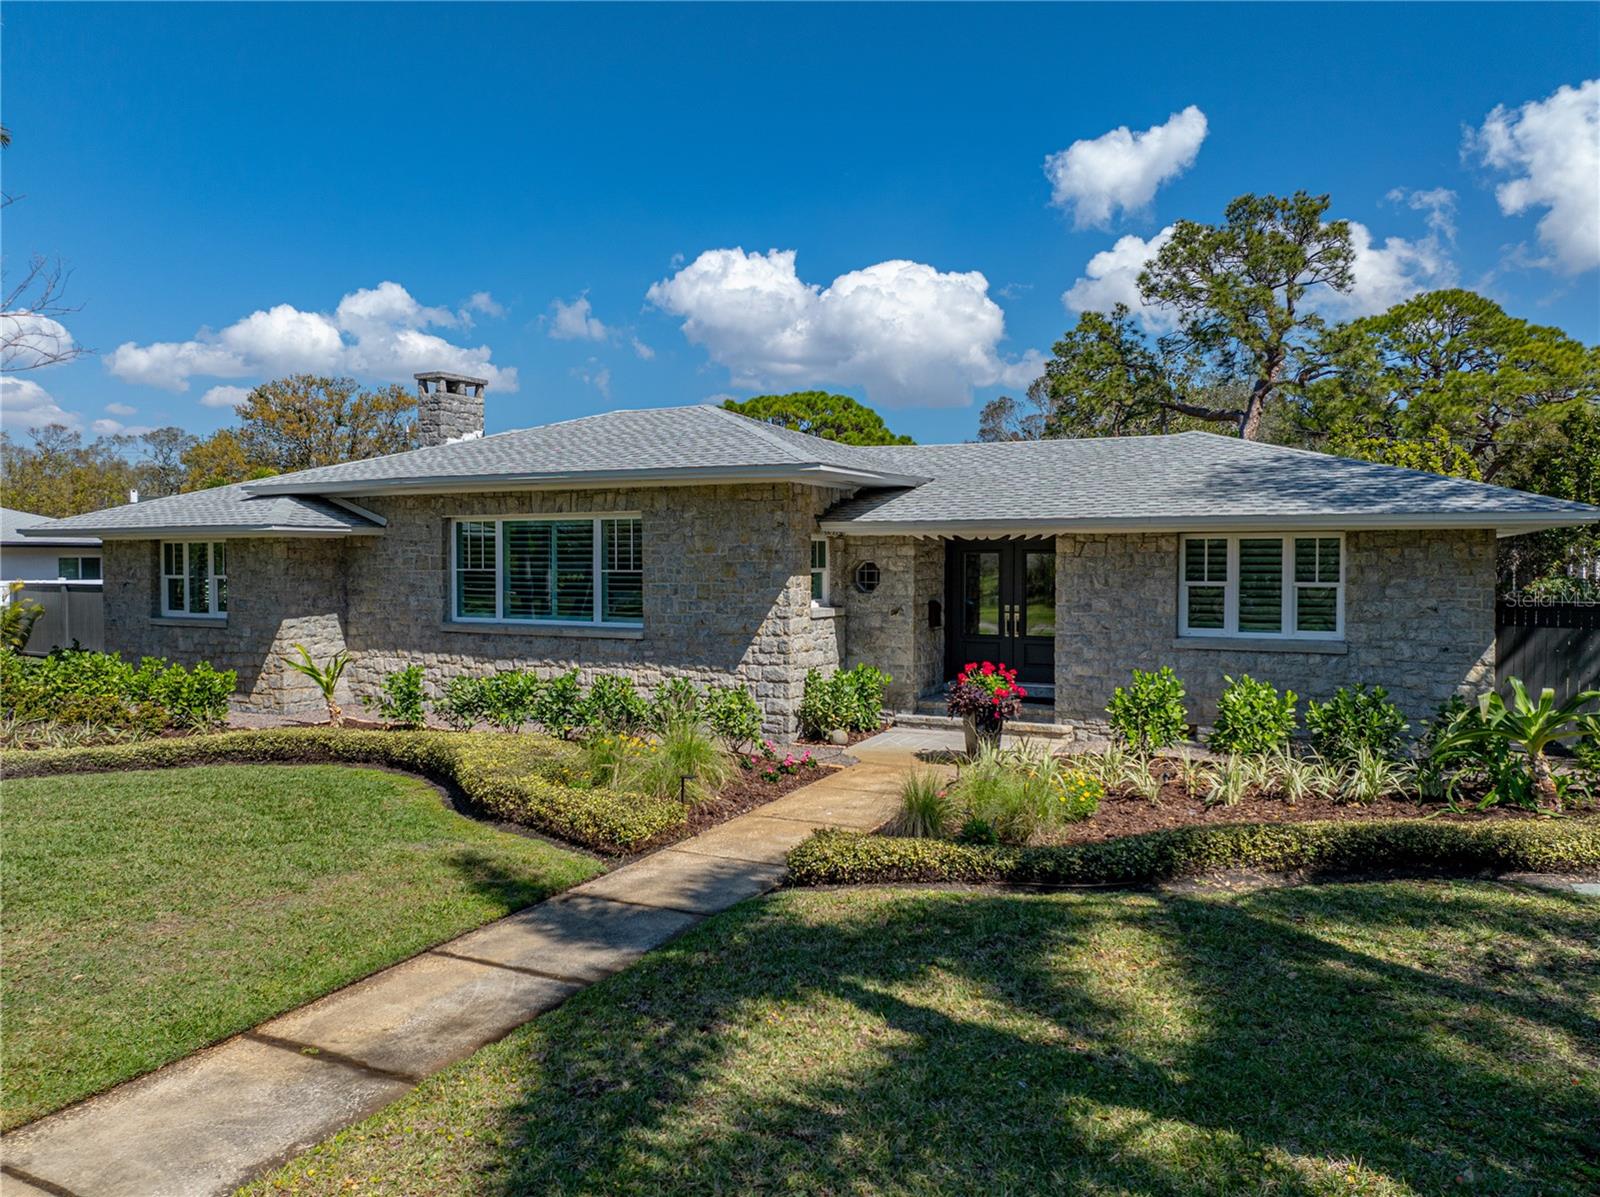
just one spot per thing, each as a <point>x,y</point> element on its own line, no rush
<point>811,474</point>
<point>224,531</point>
<point>1503,523</point>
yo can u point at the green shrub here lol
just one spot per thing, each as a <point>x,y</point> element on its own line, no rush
<point>613,705</point>
<point>1148,712</point>
<point>464,703</point>
<point>733,716</point>
<point>1353,719</point>
<point>17,617</point>
<point>863,690</point>
<point>1252,717</point>
<point>824,707</point>
<point>510,698</point>
<point>523,779</point>
<point>324,676</point>
<point>833,857</point>
<point>676,698</point>
<point>1017,792</point>
<point>559,706</point>
<point>90,689</point>
<point>399,698</point>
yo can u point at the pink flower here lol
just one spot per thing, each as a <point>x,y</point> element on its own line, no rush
<point>988,669</point>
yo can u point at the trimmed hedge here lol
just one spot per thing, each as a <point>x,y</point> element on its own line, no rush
<point>523,779</point>
<point>854,858</point>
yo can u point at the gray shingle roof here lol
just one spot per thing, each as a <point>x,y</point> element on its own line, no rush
<point>13,521</point>
<point>687,441</point>
<point>1188,479</point>
<point>224,509</point>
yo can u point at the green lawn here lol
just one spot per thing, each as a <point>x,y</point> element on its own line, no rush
<point>1416,1038</point>
<point>147,914</point>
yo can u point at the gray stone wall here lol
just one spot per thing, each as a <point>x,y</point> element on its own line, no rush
<point>1419,621</point>
<point>280,592</point>
<point>727,593</point>
<point>889,628</point>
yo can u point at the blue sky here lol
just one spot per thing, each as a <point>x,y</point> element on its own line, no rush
<point>196,165</point>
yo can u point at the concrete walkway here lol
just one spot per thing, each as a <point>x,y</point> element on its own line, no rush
<point>225,1115</point>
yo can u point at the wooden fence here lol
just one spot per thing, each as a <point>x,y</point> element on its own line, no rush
<point>72,611</point>
<point>1548,644</point>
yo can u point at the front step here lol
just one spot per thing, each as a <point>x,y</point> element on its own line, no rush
<point>1029,722</point>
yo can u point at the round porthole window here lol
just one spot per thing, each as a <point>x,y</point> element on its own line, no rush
<point>867,577</point>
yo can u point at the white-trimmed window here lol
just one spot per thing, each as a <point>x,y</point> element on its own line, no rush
<point>548,569</point>
<point>1262,585</point>
<point>819,571</point>
<point>194,579</point>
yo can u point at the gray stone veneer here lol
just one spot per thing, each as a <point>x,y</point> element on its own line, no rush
<point>889,627</point>
<point>726,598</point>
<point>1419,621</point>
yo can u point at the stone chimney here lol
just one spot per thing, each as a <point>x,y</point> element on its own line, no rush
<point>449,408</point>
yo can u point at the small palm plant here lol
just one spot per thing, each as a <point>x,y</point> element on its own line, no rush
<point>1533,726</point>
<point>325,676</point>
<point>17,618</point>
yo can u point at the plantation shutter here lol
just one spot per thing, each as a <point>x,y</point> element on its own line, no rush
<point>475,569</point>
<point>574,569</point>
<point>1260,585</point>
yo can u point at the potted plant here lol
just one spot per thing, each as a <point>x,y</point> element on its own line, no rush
<point>985,696</point>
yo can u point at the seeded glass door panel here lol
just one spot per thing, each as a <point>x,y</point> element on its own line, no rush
<point>1001,599</point>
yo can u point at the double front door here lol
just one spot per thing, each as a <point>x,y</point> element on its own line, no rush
<point>1002,603</point>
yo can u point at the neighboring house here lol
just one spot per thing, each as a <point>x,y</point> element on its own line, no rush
<point>46,557</point>
<point>693,542</point>
<point>60,573</point>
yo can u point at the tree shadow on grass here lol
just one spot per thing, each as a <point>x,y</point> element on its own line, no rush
<point>917,1042</point>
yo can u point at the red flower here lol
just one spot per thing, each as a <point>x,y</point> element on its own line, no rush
<point>988,669</point>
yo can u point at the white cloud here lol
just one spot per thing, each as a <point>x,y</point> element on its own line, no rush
<point>1385,274</point>
<point>374,333</point>
<point>224,396</point>
<point>25,404</point>
<point>1112,277</point>
<point>595,375</point>
<point>484,304</point>
<point>1551,147</point>
<point>32,340</point>
<point>1122,169</point>
<point>120,409</point>
<point>906,333</point>
<point>106,427</point>
<point>1439,203</point>
<point>576,321</point>
<point>644,351</point>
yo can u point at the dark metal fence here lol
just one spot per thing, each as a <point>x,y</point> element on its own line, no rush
<point>1548,644</point>
<point>72,611</point>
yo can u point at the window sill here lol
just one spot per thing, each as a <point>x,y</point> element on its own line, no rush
<point>189,621</point>
<point>825,613</point>
<point>575,631</point>
<point>1262,644</point>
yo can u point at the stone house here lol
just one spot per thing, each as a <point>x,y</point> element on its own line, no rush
<point>693,542</point>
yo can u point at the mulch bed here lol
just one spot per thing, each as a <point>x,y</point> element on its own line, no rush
<point>1129,814</point>
<point>854,737</point>
<point>746,792</point>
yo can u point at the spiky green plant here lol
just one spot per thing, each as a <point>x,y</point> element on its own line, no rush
<point>1369,775</point>
<point>325,676</point>
<point>1531,726</point>
<point>1228,783</point>
<point>926,809</point>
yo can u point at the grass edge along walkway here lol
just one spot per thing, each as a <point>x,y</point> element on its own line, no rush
<point>213,1121</point>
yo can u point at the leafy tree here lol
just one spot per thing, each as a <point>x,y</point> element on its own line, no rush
<point>1447,362</point>
<point>58,475</point>
<point>1435,453</point>
<point>306,420</point>
<point>160,469</point>
<point>832,417</point>
<point>219,460</point>
<point>1553,451</point>
<point>1238,292</point>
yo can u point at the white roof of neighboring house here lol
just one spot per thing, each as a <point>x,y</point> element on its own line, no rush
<point>1187,480</point>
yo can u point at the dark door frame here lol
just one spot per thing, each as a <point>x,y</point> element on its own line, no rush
<point>1033,656</point>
